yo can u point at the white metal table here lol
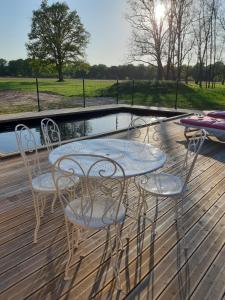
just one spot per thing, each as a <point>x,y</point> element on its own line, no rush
<point>135,158</point>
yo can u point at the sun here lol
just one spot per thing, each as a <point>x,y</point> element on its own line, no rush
<point>159,11</point>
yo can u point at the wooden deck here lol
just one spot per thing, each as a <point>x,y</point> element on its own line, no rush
<point>151,267</point>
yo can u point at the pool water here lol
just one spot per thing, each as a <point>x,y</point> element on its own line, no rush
<point>70,129</point>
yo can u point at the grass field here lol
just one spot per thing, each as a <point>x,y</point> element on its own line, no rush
<point>68,88</point>
<point>144,93</point>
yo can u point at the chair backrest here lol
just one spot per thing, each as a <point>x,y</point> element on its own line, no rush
<point>138,129</point>
<point>27,145</point>
<point>194,146</point>
<point>101,180</point>
<point>157,134</point>
<point>51,133</point>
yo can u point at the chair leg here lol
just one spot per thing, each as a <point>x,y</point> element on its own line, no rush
<point>182,226</point>
<point>119,228</point>
<point>144,203</point>
<point>70,242</point>
<point>176,210</point>
<point>125,198</point>
<point>115,257</point>
<point>76,236</point>
<point>37,215</point>
<point>73,238</point>
<point>43,200</point>
<point>70,255</point>
<point>144,206</point>
<point>53,202</point>
<point>136,213</point>
<point>155,218</point>
<point>179,219</point>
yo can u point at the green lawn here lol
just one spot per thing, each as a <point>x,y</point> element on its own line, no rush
<point>144,93</point>
<point>68,88</point>
<point>163,94</point>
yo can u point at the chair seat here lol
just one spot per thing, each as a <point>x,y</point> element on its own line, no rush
<point>45,182</point>
<point>99,218</point>
<point>161,184</point>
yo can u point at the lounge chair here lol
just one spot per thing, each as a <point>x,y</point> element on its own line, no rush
<point>219,114</point>
<point>214,127</point>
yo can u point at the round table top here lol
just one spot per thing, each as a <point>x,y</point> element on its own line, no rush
<point>135,158</point>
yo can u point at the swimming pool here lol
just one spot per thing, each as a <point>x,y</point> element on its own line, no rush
<point>72,127</point>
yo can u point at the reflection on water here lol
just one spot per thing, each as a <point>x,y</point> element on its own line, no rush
<point>71,129</point>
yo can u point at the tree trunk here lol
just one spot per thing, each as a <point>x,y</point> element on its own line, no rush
<point>160,71</point>
<point>223,76</point>
<point>60,72</point>
<point>187,71</point>
<point>200,74</point>
<point>168,68</point>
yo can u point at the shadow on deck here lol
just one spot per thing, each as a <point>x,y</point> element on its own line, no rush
<point>152,264</point>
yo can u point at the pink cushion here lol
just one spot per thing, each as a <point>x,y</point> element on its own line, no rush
<point>202,122</point>
<point>215,114</point>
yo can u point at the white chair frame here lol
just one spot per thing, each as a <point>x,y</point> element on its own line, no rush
<point>135,129</point>
<point>80,203</point>
<point>41,183</point>
<point>193,148</point>
<point>51,133</point>
<point>151,135</point>
<point>156,134</point>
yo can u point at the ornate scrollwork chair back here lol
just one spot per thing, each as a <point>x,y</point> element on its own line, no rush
<point>110,187</point>
<point>170,185</point>
<point>96,203</point>
<point>102,183</point>
<point>138,129</point>
<point>51,133</point>
<point>27,145</point>
<point>72,190</point>
<point>42,184</point>
<point>157,134</point>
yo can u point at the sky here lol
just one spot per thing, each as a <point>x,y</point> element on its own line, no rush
<point>103,19</point>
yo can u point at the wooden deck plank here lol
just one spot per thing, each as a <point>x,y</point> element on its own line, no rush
<point>20,249</point>
<point>36,271</point>
<point>191,214</point>
<point>167,269</point>
<point>76,285</point>
<point>216,171</point>
<point>197,264</point>
<point>212,284</point>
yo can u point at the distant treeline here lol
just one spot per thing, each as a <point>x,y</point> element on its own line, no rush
<point>29,68</point>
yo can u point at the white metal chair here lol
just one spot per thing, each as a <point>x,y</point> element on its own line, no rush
<point>42,183</point>
<point>138,129</point>
<point>142,130</point>
<point>169,185</point>
<point>51,133</point>
<point>157,134</point>
<point>95,204</point>
<point>146,132</point>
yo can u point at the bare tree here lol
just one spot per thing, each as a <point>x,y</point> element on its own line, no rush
<point>206,39</point>
<point>170,70</point>
<point>189,58</point>
<point>149,34</point>
<point>188,31</point>
<point>183,19</point>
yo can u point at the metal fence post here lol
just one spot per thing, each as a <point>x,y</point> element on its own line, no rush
<point>132,100</point>
<point>38,99</point>
<point>84,103</point>
<point>117,91</point>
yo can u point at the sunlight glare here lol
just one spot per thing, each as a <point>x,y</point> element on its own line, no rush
<point>159,11</point>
